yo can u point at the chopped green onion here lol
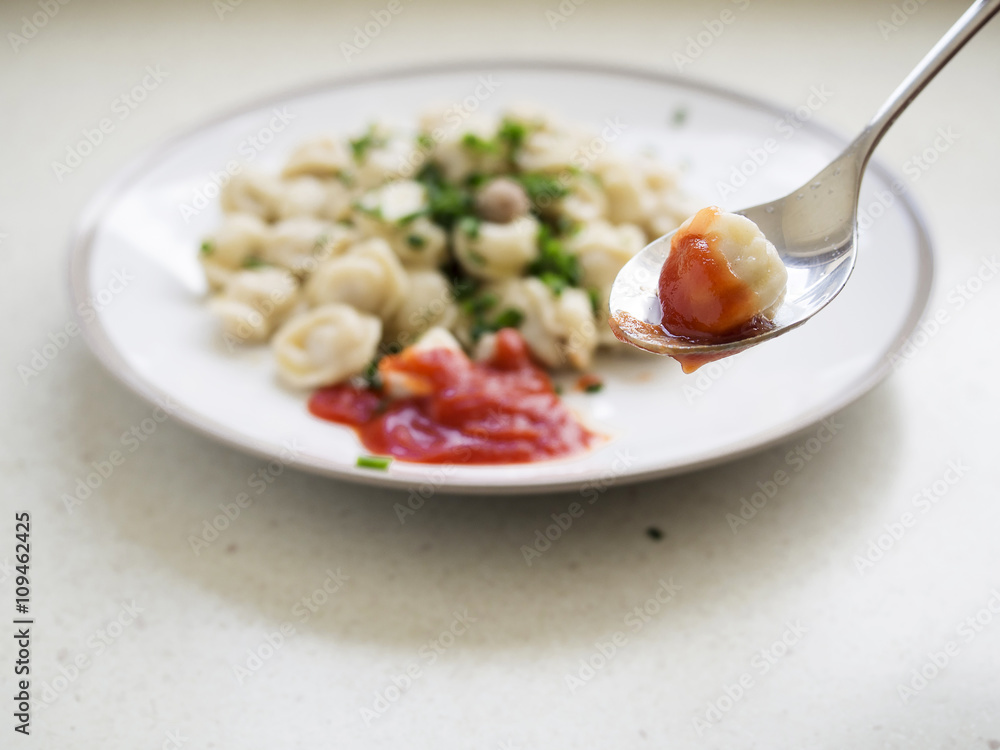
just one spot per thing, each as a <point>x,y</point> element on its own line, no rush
<point>372,378</point>
<point>402,221</point>
<point>446,201</point>
<point>375,212</point>
<point>680,116</point>
<point>253,262</point>
<point>207,248</point>
<point>479,145</point>
<point>541,188</point>
<point>416,241</point>
<point>554,262</point>
<point>513,134</point>
<point>566,226</point>
<point>477,330</point>
<point>553,281</point>
<point>594,387</point>
<point>479,305</point>
<point>374,462</point>
<point>477,308</point>
<point>320,243</point>
<point>425,141</point>
<point>509,318</point>
<point>470,226</point>
<point>361,146</point>
<point>595,300</point>
<point>476,180</point>
<point>462,287</point>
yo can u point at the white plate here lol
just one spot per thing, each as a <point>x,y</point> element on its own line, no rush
<point>158,338</point>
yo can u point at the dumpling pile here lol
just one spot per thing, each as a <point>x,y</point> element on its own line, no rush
<point>362,244</point>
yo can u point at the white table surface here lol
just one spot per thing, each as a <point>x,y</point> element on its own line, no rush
<point>166,677</point>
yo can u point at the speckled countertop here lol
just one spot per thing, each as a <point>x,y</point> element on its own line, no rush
<point>317,619</point>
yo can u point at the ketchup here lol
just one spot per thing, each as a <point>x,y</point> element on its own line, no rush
<point>503,410</point>
<point>702,299</point>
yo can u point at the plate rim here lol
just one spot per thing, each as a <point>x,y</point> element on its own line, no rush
<point>81,245</point>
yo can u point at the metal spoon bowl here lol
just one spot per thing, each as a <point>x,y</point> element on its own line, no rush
<point>814,229</point>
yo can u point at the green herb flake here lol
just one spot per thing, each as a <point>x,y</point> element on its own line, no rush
<point>403,221</point>
<point>555,266</point>
<point>513,134</point>
<point>594,387</point>
<point>566,226</point>
<point>425,141</point>
<point>542,189</point>
<point>680,117</point>
<point>416,241</point>
<point>253,261</point>
<point>374,462</point>
<point>469,225</point>
<point>361,146</point>
<point>372,378</point>
<point>320,243</point>
<point>509,318</point>
<point>462,287</point>
<point>446,201</point>
<point>207,248</point>
<point>595,300</point>
<point>476,180</point>
<point>480,145</point>
<point>374,212</point>
<point>557,284</point>
<point>479,305</point>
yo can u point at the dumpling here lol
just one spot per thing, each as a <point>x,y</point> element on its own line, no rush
<point>239,238</point>
<point>629,199</point>
<point>369,277</point>
<point>492,252</point>
<point>394,213</point>
<point>586,200</point>
<point>400,381</point>
<point>335,241</point>
<point>721,273</point>
<point>601,250</point>
<point>252,192</point>
<point>326,345</point>
<point>293,243</point>
<point>254,302</point>
<point>301,196</point>
<point>430,303</point>
<point>458,147</point>
<point>552,149</point>
<point>559,329</point>
<point>321,156</point>
<point>380,156</point>
<point>339,201</point>
<point>641,191</point>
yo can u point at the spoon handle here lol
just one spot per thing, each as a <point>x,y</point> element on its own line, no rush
<point>962,31</point>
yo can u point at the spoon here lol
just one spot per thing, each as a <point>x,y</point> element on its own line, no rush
<point>814,229</point>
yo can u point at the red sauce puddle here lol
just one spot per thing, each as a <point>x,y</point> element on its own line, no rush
<point>503,410</point>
